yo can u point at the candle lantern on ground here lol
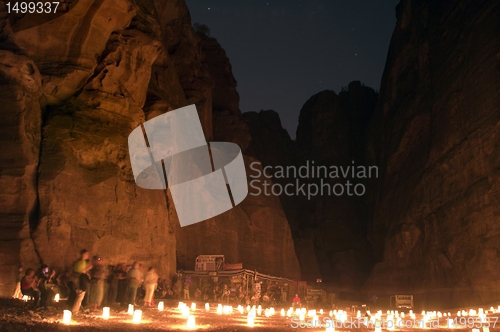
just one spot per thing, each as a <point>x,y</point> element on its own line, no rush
<point>251,319</point>
<point>66,317</point>
<point>137,316</point>
<point>191,323</point>
<point>105,312</point>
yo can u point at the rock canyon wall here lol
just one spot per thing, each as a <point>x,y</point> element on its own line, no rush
<point>427,225</point>
<point>435,136</point>
<point>73,87</point>
<point>329,231</point>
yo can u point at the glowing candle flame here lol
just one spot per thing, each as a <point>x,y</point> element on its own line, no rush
<point>130,309</point>
<point>161,306</point>
<point>219,309</point>
<point>137,316</point>
<point>67,317</point>
<point>193,306</point>
<point>250,320</point>
<point>191,323</point>
<point>207,306</point>
<point>390,322</point>
<point>105,312</point>
<point>282,312</point>
<point>315,321</point>
<point>185,312</point>
<point>56,298</point>
<point>25,298</point>
<point>330,327</point>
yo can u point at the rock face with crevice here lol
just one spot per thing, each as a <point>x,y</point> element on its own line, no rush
<point>256,228</point>
<point>329,231</point>
<point>20,90</point>
<point>73,88</point>
<point>436,136</point>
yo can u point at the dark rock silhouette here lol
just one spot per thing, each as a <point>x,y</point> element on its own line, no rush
<point>329,231</point>
<point>435,137</point>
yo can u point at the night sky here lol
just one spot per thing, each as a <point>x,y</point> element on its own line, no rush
<point>283,52</point>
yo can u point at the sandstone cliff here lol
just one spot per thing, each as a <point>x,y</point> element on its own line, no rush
<point>256,232</point>
<point>329,231</point>
<point>73,88</point>
<point>436,138</point>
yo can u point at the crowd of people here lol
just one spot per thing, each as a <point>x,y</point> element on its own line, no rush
<point>91,283</point>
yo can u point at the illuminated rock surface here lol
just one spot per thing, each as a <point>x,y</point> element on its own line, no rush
<point>85,81</point>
